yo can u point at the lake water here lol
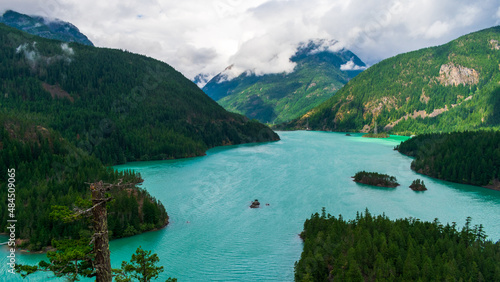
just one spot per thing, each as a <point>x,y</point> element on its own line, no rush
<point>213,235</point>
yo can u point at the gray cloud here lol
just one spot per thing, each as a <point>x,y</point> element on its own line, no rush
<point>260,35</point>
<point>33,56</point>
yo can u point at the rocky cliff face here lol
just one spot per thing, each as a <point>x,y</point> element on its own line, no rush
<point>451,74</point>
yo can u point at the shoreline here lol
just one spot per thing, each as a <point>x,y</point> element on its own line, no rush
<point>495,186</point>
<point>47,249</point>
<point>335,131</point>
<point>194,156</point>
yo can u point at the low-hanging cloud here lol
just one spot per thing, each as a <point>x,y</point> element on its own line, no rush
<point>260,36</point>
<point>67,50</point>
<point>351,66</point>
<point>30,52</point>
<point>34,58</point>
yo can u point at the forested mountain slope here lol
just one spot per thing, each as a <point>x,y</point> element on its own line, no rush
<point>318,74</point>
<point>45,171</point>
<point>450,87</point>
<point>463,157</point>
<point>376,248</point>
<point>114,104</point>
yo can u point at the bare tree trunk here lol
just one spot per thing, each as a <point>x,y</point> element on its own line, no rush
<point>102,262</point>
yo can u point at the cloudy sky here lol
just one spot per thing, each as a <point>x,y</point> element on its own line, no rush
<point>206,36</point>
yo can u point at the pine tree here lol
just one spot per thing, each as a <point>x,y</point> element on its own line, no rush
<point>142,267</point>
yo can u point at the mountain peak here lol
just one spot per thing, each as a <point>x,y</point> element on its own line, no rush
<point>318,45</point>
<point>45,27</point>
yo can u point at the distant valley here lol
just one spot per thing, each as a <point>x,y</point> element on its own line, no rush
<point>322,68</point>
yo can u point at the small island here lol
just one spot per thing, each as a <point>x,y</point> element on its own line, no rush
<point>255,204</point>
<point>418,185</point>
<point>375,179</point>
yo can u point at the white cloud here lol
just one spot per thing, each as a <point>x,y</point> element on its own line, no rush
<point>33,56</point>
<point>437,30</point>
<point>351,66</point>
<point>66,49</point>
<point>30,52</point>
<point>206,36</point>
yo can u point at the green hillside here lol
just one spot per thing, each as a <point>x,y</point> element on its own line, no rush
<point>114,104</point>
<point>285,96</point>
<point>446,88</point>
<point>66,109</point>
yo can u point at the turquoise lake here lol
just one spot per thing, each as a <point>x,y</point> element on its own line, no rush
<point>213,235</point>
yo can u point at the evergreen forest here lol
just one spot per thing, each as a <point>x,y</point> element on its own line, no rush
<point>376,248</point>
<point>470,157</point>
<point>51,173</point>
<point>114,104</point>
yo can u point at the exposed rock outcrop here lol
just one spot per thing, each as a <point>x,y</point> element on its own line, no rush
<point>451,74</point>
<point>494,44</point>
<point>255,204</point>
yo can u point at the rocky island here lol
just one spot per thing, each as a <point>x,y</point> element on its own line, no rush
<point>418,185</point>
<point>255,204</point>
<point>375,179</point>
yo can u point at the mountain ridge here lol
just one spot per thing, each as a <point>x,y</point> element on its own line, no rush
<point>50,29</point>
<point>117,105</point>
<point>443,88</point>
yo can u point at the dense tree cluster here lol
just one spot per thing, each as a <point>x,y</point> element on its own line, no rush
<point>397,87</point>
<point>418,185</point>
<point>375,248</point>
<point>471,157</point>
<point>51,173</point>
<point>114,104</point>
<point>375,179</point>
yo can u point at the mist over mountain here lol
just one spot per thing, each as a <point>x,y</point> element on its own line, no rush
<point>321,67</point>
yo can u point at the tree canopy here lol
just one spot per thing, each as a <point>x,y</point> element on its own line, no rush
<point>470,157</point>
<point>376,248</point>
